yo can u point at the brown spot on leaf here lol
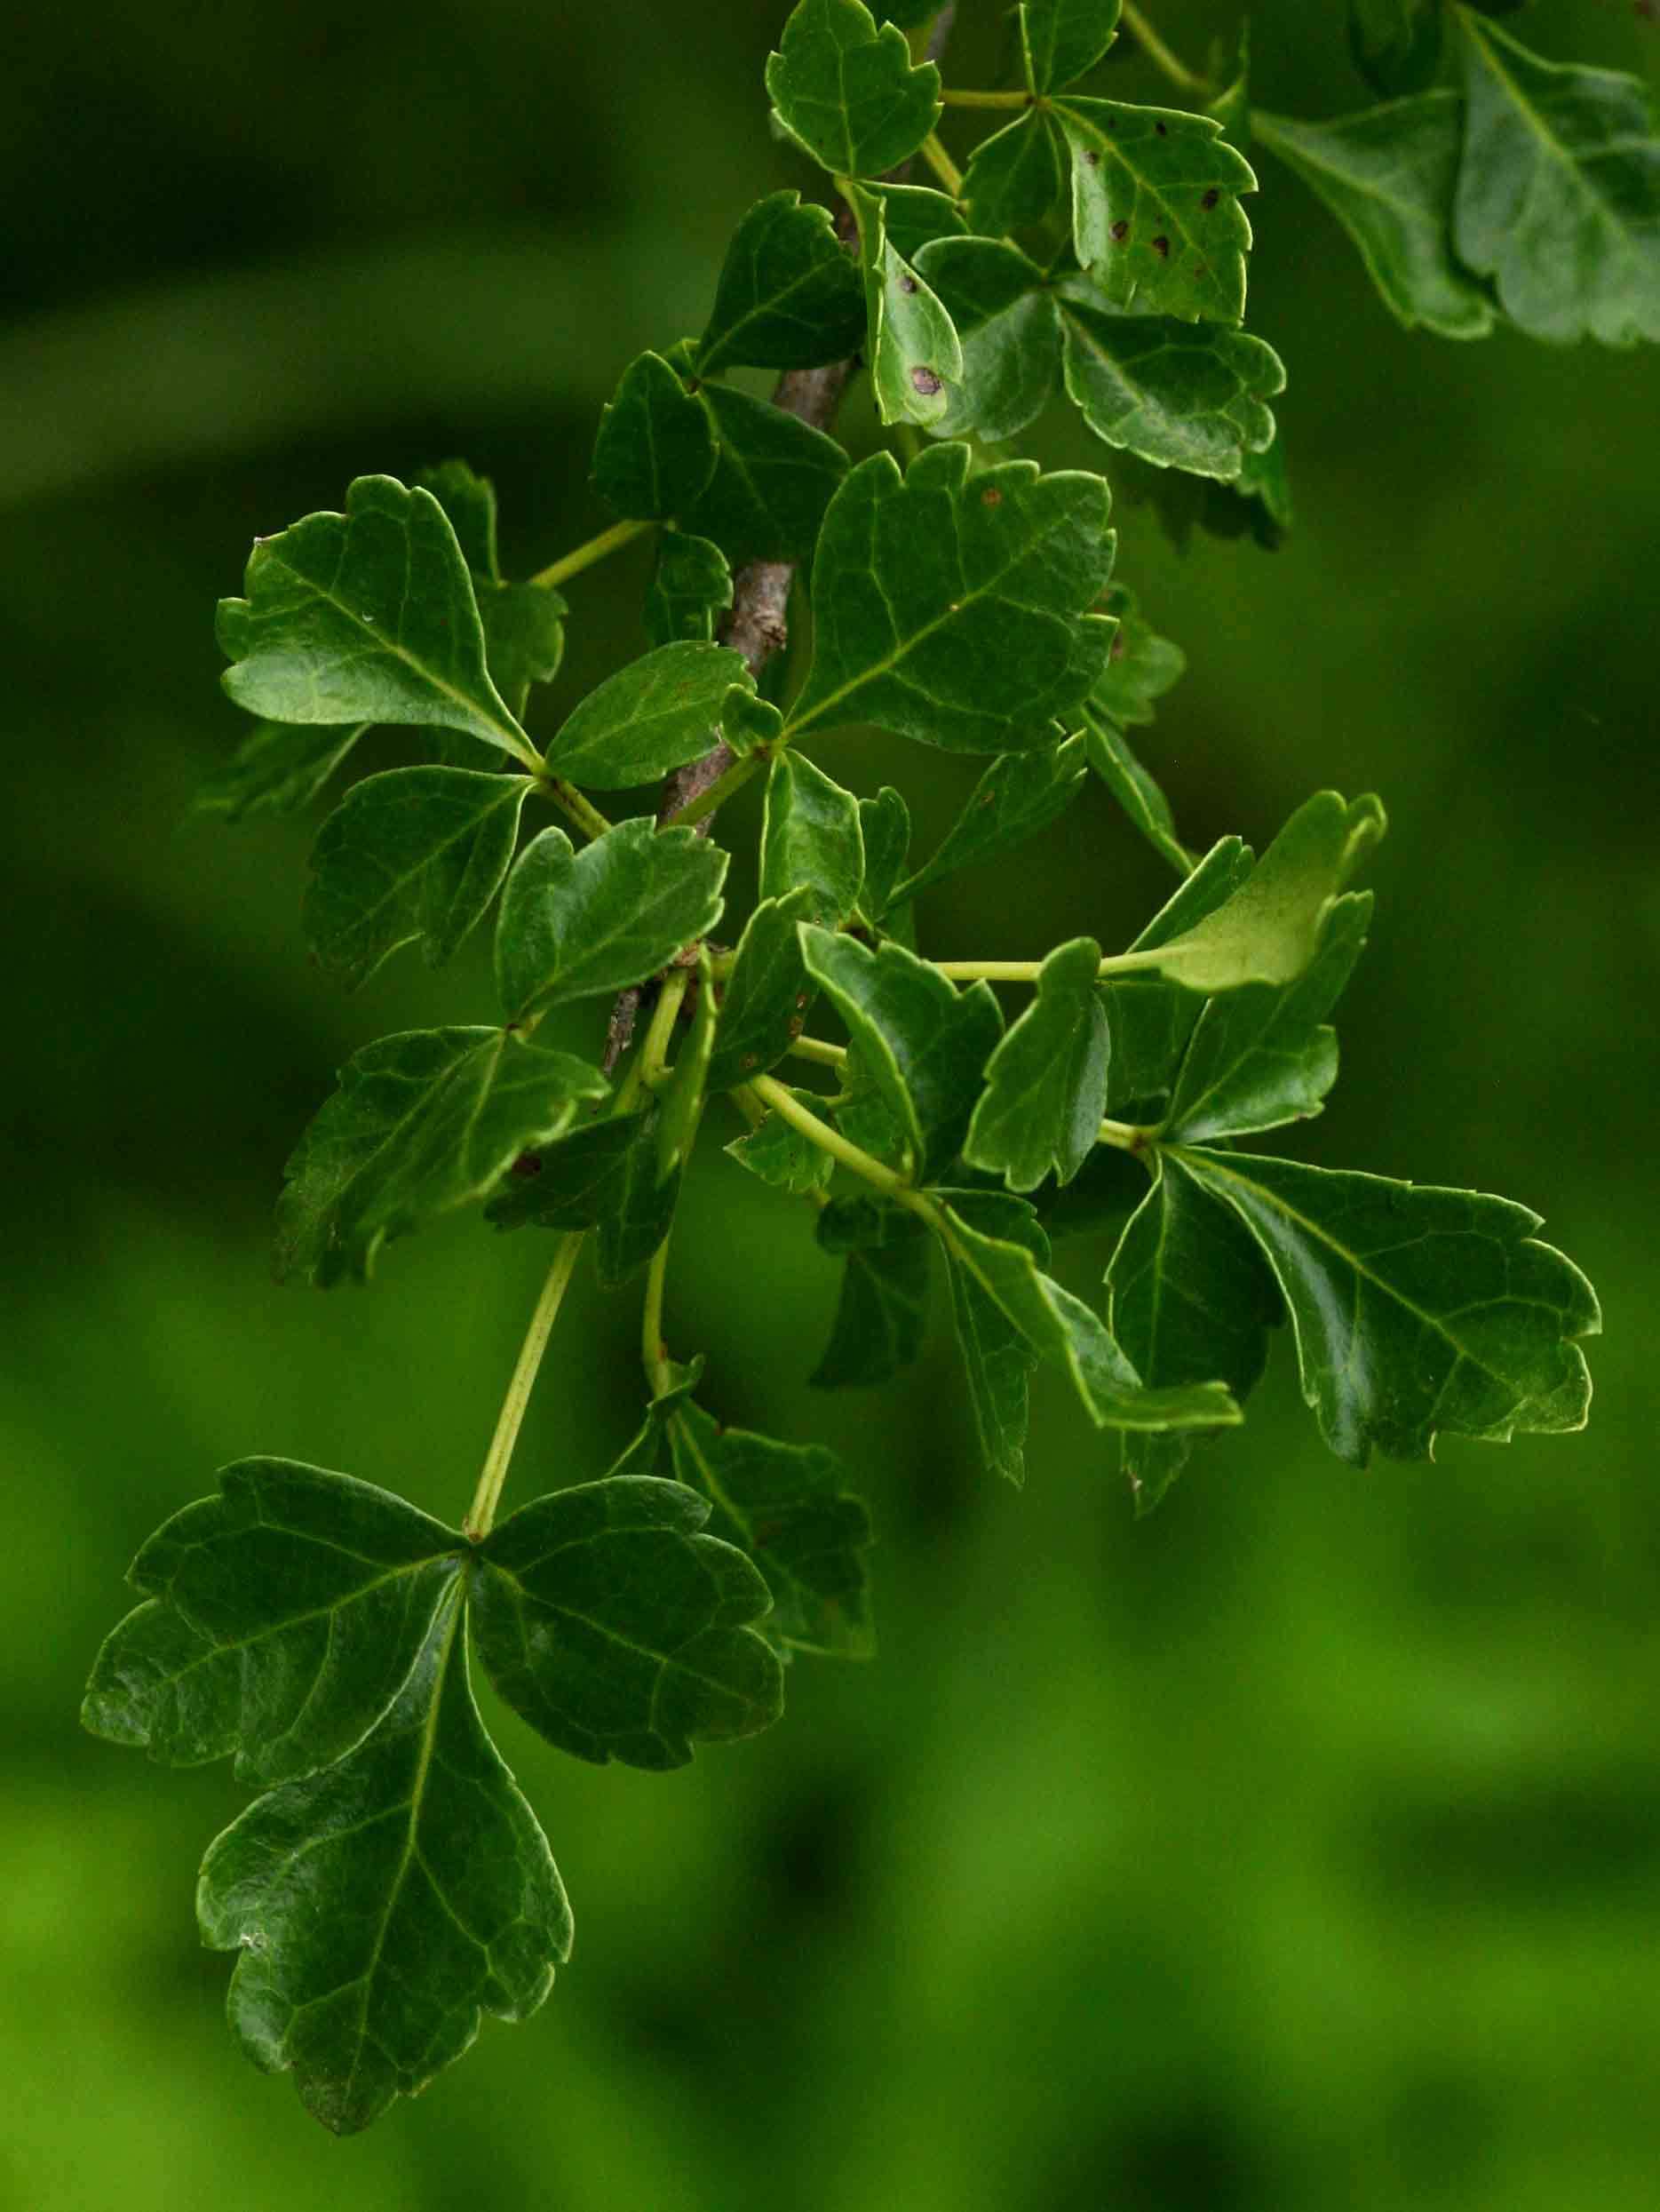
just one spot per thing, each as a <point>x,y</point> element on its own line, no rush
<point>1120,231</point>
<point>907,283</point>
<point>991,497</point>
<point>926,381</point>
<point>1162,131</point>
<point>527,1164</point>
<point>749,1060</point>
<point>795,1025</point>
<point>1161,246</point>
<point>1092,157</point>
<point>1116,651</point>
<point>1211,198</point>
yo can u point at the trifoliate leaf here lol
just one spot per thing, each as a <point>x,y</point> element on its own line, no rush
<point>1388,177</point>
<point>998,1359</point>
<point>1269,930</point>
<point>1155,213</point>
<point>654,452</point>
<point>915,214</point>
<point>1061,39</point>
<point>1005,320</point>
<point>774,476</point>
<point>1119,767</point>
<point>1016,178</point>
<point>1395,43</point>
<point>618,1630</point>
<point>1062,1328</point>
<point>1263,1056</point>
<point>416,854</point>
<point>845,91</point>
<point>282,1617</point>
<point>885,830</point>
<point>1559,191</point>
<point>954,608</point>
<point>422,1123</point>
<point>278,768</point>
<point>655,715</point>
<point>585,925</point>
<point>381,1906</point>
<point>1046,1083</point>
<point>1019,795</point>
<point>602,1175</point>
<point>924,1042</point>
<point>366,617</point>
<point>1150,1021</point>
<point>811,838</point>
<point>882,1314</point>
<point>1140,667</point>
<point>780,1155</point>
<point>784,1505</point>
<point>1417,1311</point>
<point>690,589</point>
<point>1180,394</point>
<point>788,297</point>
<point>915,360</point>
<point>1190,1297</point>
<point>766,998</point>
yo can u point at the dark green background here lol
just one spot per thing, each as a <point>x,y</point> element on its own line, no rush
<point>1300,1848</point>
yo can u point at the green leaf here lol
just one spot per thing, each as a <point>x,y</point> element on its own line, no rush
<point>767,994</point>
<point>1263,1056</point>
<point>278,768</point>
<point>780,1155</point>
<point>1046,1083</point>
<point>469,500</point>
<point>1020,794</point>
<point>1180,394</point>
<point>1269,930</point>
<point>1115,761</point>
<point>1010,335</point>
<point>422,1123</point>
<point>1061,1328</point>
<point>863,1115</point>
<point>1189,1298</point>
<point>845,91</point>
<point>416,854</point>
<point>380,1906</point>
<point>1140,667</point>
<point>748,721</point>
<point>1388,177</point>
<point>1156,212</point>
<point>654,452</point>
<point>1559,191</point>
<point>784,1505</point>
<point>998,1359</point>
<point>774,476</point>
<point>524,623</point>
<point>1257,500</point>
<point>955,609</point>
<point>586,925</point>
<point>1015,178</point>
<point>788,297</point>
<point>924,1042</point>
<point>655,714</point>
<point>618,1630</point>
<point>882,1314</point>
<point>281,1618</point>
<point>1061,39</point>
<point>884,830</point>
<point>1395,45</point>
<point>912,348</point>
<point>690,589</point>
<point>1417,1311</point>
<point>1231,106</point>
<point>914,215</point>
<point>366,617</point>
<point>602,1175</point>
<point>1151,1021</point>
<point>811,838</point>
<point>647,1450</point>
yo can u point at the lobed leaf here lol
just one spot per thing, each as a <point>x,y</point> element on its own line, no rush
<point>767,994</point>
<point>654,715</point>
<point>1010,335</point>
<point>845,91</point>
<point>1020,794</point>
<point>1063,39</point>
<point>778,1154</point>
<point>1180,395</point>
<point>774,476</point>
<point>524,623</point>
<point>912,346</point>
<point>1140,667</point>
<point>788,297</point>
<point>998,1359</point>
<point>1151,1021</point>
<point>812,839</point>
<point>1015,178</point>
<point>1045,1085</point>
<point>277,769</point>
<point>882,1311</point>
<point>914,215</point>
<point>884,831</point>
<point>655,448</point>
<point>602,1175</point>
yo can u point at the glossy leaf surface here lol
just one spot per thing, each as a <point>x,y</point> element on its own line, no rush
<point>774,476</point>
<point>845,88</point>
<point>1019,795</point>
<point>912,346</point>
<point>768,993</point>
<point>655,451</point>
<point>998,1359</point>
<point>1005,320</point>
<point>1016,178</point>
<point>1190,395</point>
<point>654,715</point>
<point>1061,39</point>
<point>787,296</point>
<point>1040,1111</point>
<point>1151,1021</point>
<point>812,839</point>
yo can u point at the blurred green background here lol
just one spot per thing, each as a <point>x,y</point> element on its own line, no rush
<point>1299,1848</point>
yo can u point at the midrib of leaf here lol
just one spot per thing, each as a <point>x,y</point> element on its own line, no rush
<point>1293,150</point>
<point>512,736</point>
<point>754,314</point>
<point>1541,130</point>
<point>300,1620</point>
<point>900,652</point>
<point>659,1660</point>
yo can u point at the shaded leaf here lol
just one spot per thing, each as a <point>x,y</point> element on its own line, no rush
<point>915,214</point>
<point>1015,178</point>
<point>998,1359</point>
<point>844,89</point>
<point>911,347</point>
<point>690,589</point>
<point>524,623</point>
<point>1151,1021</point>
<point>1395,43</point>
<point>884,830</point>
<point>1180,394</point>
<point>780,1155</point>
<point>602,1175</point>
<point>810,839</point>
<point>1115,761</point>
<point>863,1115</point>
<point>1060,39</point>
<point>422,1123</point>
<point>784,1505</point>
<point>767,994</point>
<point>789,297</point>
<point>1046,1083</point>
<point>1011,338</point>
<point>366,617</point>
<point>882,1314</point>
<point>277,769</point>
<point>1416,1309</point>
<point>1559,191</point>
<point>413,854</point>
<point>1140,667</point>
<point>585,925</point>
<point>954,609</point>
<point>924,1042</point>
<point>1020,794</point>
<point>654,452</point>
<point>774,476</point>
<point>654,715</point>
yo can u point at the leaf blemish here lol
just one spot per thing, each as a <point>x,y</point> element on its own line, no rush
<point>991,497</point>
<point>907,283</point>
<point>1120,232</point>
<point>1092,157</point>
<point>1160,128</point>
<point>926,381</point>
<point>1161,246</point>
<point>1211,198</point>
